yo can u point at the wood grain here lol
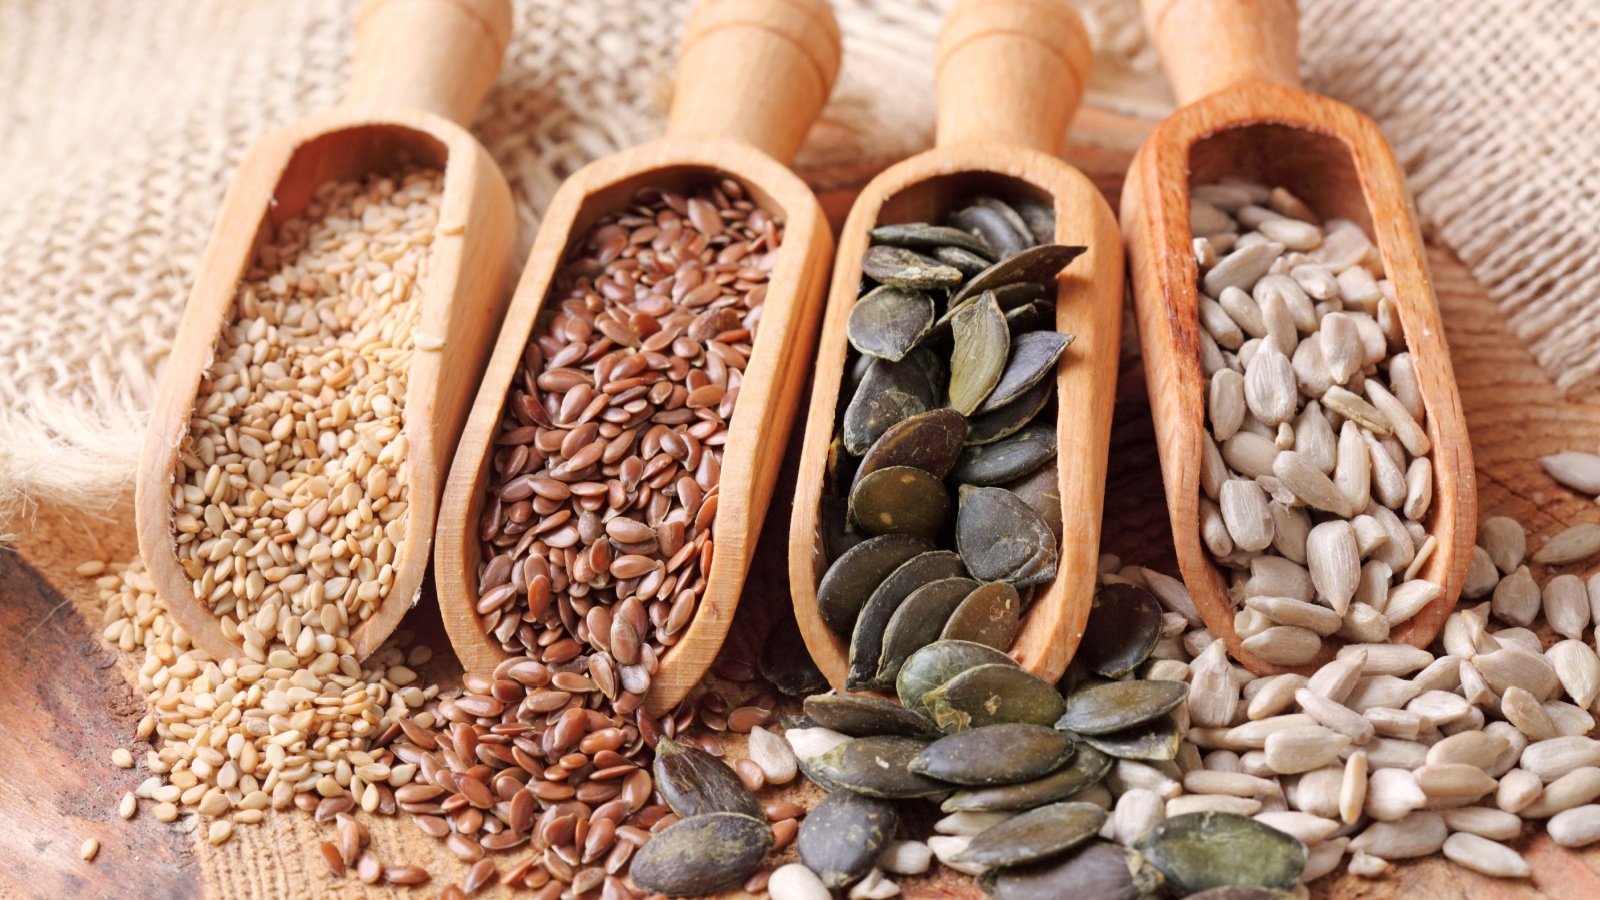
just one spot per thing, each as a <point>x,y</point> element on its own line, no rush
<point>1034,55</point>
<point>772,51</point>
<point>438,55</point>
<point>1336,160</point>
<point>1514,415</point>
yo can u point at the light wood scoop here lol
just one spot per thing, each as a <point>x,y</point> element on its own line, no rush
<point>421,69</point>
<point>752,77</point>
<point>1235,66</point>
<point>1009,78</point>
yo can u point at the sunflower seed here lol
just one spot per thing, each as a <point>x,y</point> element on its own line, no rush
<point>1505,541</point>
<point>1576,470</point>
<point>1574,544</point>
<point>1485,856</point>
<point>1578,827</point>
<point>1284,645</point>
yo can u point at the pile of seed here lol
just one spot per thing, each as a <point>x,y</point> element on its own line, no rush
<point>289,491</point>
<point>949,396</point>
<point>233,739</point>
<point>1315,470</point>
<point>597,525</point>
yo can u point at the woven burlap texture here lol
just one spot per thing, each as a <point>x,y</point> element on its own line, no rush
<point>123,119</point>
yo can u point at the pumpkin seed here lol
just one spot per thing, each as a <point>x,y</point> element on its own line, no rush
<point>968,262</point>
<point>991,694</point>
<point>1008,235</point>
<point>1036,265</point>
<point>1124,627</point>
<point>1042,492</point>
<point>1204,850</point>
<point>693,782</point>
<point>918,621</point>
<point>904,268</point>
<point>841,838</point>
<point>1001,538</point>
<point>1110,706</point>
<point>701,854</point>
<point>1243,892</point>
<point>1087,767</point>
<point>936,664</point>
<point>859,715</point>
<point>917,235</point>
<point>1007,420</point>
<point>982,343</point>
<point>929,441</point>
<point>1040,315</point>
<point>1008,459</point>
<point>878,766</point>
<point>1040,218</point>
<point>853,576</point>
<point>837,536</point>
<point>785,663</point>
<point>990,615</point>
<point>1155,740</point>
<point>1099,871</point>
<point>900,500</point>
<point>1034,835</point>
<point>1033,356</point>
<point>888,322</point>
<point>866,639</point>
<point>995,754</point>
<point>890,392</point>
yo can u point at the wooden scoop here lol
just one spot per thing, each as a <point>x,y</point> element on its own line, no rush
<point>421,69</point>
<point>1233,63</point>
<point>752,76</point>
<point>1010,75</point>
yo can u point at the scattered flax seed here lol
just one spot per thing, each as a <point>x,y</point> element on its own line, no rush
<point>89,849</point>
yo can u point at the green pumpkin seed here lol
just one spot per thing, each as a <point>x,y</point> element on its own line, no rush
<point>1115,705</point>
<point>1124,626</point>
<point>890,392</point>
<point>1033,356</point>
<point>904,268</point>
<point>988,465</point>
<point>701,854</point>
<point>995,754</point>
<point>843,836</point>
<point>1039,265</point>
<point>929,441</point>
<point>968,262</point>
<point>999,231</point>
<point>1098,871</point>
<point>939,662</point>
<point>919,235</point>
<point>1001,538</point>
<point>1009,419</point>
<point>982,344</point>
<point>1086,768</point>
<point>859,715</point>
<point>990,615</point>
<point>918,621</point>
<point>854,575</point>
<point>693,782</point>
<point>1204,850</point>
<point>1042,492</point>
<point>1154,740</point>
<point>878,766</point>
<point>1034,835</point>
<point>991,694</point>
<point>900,500</point>
<point>785,663</point>
<point>889,321</point>
<point>866,639</point>
<point>1040,218</point>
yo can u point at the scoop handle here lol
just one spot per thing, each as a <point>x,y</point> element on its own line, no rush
<point>756,71</point>
<point>1208,46</point>
<point>437,55</point>
<point>1011,71</point>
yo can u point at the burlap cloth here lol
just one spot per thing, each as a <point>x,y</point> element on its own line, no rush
<point>121,121</point>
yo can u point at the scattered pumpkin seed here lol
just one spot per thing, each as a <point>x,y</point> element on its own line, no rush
<point>1098,871</point>
<point>995,754</point>
<point>991,694</point>
<point>1154,740</point>
<point>1108,706</point>
<point>1204,850</point>
<point>878,766</point>
<point>1124,627</point>
<point>694,783</point>
<point>859,715</point>
<point>1034,835</point>
<point>918,622</point>
<point>843,835</point>
<point>936,664</point>
<point>1087,767</point>
<point>700,854</point>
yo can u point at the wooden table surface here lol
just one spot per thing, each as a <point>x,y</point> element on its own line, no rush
<point>67,700</point>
